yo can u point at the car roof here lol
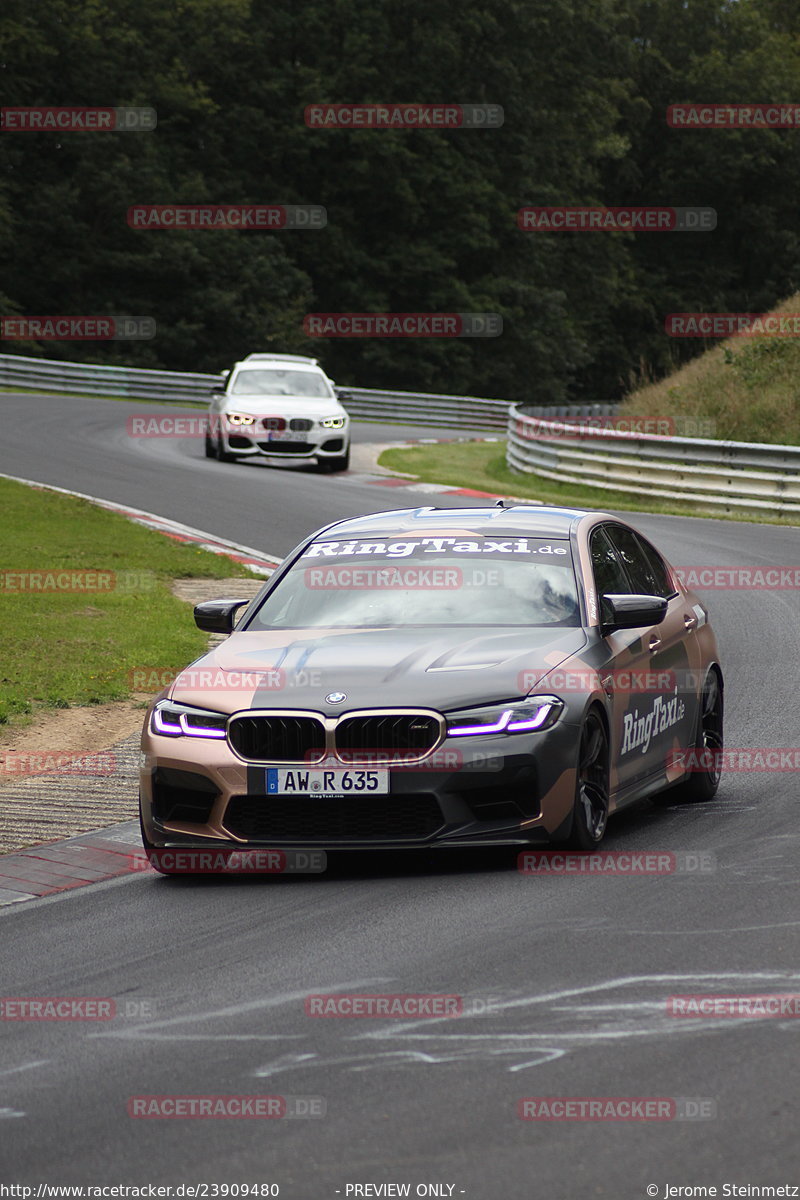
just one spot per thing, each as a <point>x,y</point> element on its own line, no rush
<point>292,358</point>
<point>526,519</point>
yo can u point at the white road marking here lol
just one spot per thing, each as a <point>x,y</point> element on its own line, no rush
<point>40,1062</point>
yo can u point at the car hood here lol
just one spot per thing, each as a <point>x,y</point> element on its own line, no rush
<point>431,667</point>
<point>290,406</point>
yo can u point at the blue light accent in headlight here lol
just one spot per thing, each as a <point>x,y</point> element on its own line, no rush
<point>471,730</point>
<point>525,717</point>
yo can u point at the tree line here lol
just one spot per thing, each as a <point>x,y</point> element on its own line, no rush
<point>418,220</point>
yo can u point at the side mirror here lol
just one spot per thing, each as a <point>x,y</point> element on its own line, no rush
<point>633,612</point>
<point>224,374</point>
<point>217,616</point>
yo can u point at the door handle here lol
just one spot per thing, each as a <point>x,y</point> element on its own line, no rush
<point>654,643</point>
<point>690,622</point>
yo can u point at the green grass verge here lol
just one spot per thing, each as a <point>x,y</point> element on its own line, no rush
<point>749,388</point>
<point>64,648</point>
<point>482,466</point>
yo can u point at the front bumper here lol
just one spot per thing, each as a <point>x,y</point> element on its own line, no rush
<point>497,790</point>
<point>310,444</point>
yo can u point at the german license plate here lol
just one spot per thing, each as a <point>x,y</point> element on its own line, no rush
<point>326,782</point>
<point>286,435</point>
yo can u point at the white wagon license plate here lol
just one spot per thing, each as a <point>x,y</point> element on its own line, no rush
<point>286,435</point>
<point>326,782</point>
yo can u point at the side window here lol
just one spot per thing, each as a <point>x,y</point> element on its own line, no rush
<point>645,569</point>
<point>658,568</point>
<point>609,577</point>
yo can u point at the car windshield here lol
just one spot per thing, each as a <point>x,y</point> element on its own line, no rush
<point>429,581</point>
<point>274,381</point>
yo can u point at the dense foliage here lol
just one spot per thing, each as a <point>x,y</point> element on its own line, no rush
<point>417,220</point>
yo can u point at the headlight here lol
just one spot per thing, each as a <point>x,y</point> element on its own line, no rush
<point>524,716</point>
<point>332,423</point>
<point>240,419</point>
<point>181,720</point>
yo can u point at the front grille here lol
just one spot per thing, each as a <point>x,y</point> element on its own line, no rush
<point>307,738</point>
<point>273,423</point>
<point>384,735</point>
<point>278,739</point>
<point>354,818</point>
<point>287,447</point>
<point>300,424</point>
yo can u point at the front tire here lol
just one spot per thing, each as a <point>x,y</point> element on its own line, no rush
<point>150,847</point>
<point>590,814</point>
<point>221,454</point>
<point>338,462</point>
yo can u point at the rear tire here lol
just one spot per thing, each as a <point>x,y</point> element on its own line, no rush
<point>590,814</point>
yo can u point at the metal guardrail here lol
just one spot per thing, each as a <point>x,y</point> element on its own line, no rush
<point>732,475</point>
<point>176,387</point>
<point>442,412</point>
<point>87,379</point>
<point>751,476</point>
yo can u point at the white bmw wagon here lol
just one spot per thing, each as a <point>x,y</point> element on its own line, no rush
<point>278,406</point>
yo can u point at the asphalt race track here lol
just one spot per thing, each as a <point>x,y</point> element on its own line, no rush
<point>83,444</point>
<point>575,971</point>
